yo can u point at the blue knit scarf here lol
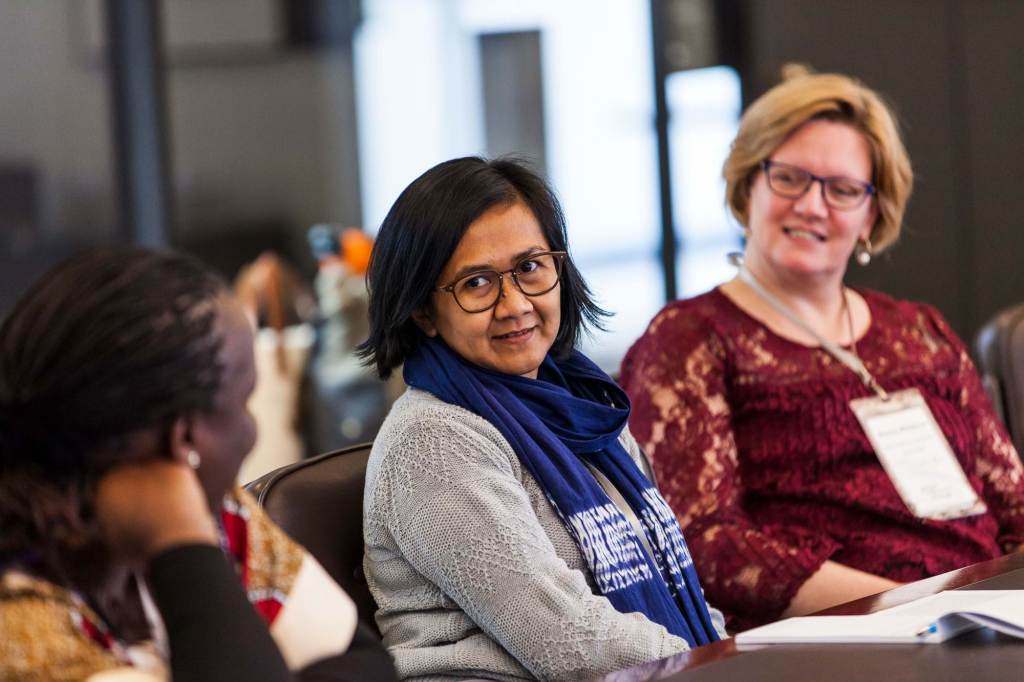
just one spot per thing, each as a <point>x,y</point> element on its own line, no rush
<point>571,414</point>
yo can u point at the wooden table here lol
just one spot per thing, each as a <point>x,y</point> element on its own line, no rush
<point>978,656</point>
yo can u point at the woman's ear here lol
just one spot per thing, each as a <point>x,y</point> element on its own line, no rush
<point>425,321</point>
<point>179,440</point>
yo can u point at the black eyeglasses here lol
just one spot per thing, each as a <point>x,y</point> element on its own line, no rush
<point>838,192</point>
<point>534,275</point>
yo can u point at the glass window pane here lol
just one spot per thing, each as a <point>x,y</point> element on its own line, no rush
<point>704,106</point>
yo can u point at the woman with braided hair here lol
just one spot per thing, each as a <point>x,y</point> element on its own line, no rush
<point>126,550</point>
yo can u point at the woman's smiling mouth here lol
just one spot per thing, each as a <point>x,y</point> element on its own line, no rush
<point>518,336</point>
<point>803,234</point>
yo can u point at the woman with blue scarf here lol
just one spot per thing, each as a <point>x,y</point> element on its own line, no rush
<point>510,533</point>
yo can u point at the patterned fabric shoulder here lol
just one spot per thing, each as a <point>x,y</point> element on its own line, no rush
<point>309,616</point>
<point>76,644</point>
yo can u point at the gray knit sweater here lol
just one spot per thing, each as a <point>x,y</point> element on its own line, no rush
<point>474,574</point>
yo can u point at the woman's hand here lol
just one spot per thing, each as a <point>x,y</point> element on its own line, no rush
<point>149,507</point>
<point>835,583</point>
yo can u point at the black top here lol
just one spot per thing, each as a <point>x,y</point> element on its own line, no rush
<point>215,634</point>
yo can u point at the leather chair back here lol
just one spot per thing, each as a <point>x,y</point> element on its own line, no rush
<point>1000,349</point>
<point>319,503</point>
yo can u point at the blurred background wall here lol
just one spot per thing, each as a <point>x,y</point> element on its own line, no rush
<point>275,115</point>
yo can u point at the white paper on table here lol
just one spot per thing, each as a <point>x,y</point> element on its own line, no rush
<point>952,613</point>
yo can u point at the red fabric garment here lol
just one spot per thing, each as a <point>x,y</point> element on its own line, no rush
<point>757,451</point>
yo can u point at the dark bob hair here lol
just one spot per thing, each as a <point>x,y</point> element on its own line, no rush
<point>423,229</point>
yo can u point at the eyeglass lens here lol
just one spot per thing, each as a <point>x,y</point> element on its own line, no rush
<point>535,275</point>
<point>792,182</point>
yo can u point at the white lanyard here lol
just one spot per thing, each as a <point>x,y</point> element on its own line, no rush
<point>847,358</point>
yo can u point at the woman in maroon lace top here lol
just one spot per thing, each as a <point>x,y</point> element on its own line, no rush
<point>785,505</point>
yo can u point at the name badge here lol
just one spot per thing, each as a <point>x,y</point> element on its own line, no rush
<point>915,454</point>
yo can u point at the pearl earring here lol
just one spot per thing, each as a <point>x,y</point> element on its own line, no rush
<point>193,459</point>
<point>862,252</point>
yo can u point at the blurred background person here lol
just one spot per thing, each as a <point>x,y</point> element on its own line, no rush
<point>125,376</point>
<point>282,306</point>
<point>349,401</point>
<point>746,413</point>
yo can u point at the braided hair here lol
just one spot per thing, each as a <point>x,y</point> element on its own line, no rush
<point>109,343</point>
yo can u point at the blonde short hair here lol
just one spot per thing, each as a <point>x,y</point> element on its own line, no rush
<point>801,97</point>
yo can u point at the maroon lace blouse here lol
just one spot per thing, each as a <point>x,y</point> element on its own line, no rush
<point>757,451</point>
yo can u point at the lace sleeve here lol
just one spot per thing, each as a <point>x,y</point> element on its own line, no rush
<point>676,377</point>
<point>998,464</point>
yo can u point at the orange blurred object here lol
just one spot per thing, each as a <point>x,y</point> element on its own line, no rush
<point>355,250</point>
